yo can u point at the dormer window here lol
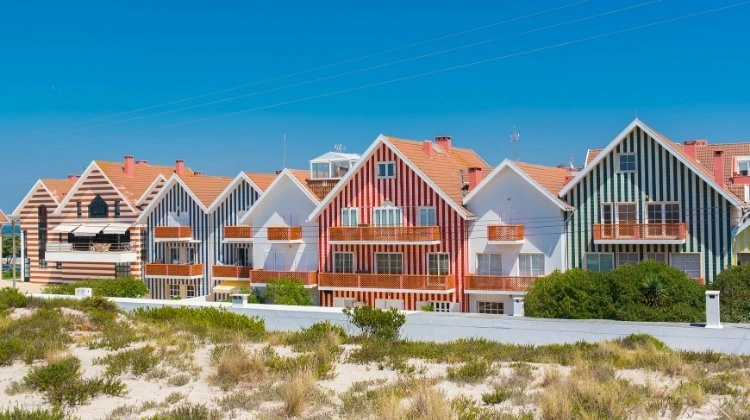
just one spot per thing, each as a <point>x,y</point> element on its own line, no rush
<point>332,165</point>
<point>98,208</point>
<point>626,162</point>
<point>743,166</point>
<point>386,169</point>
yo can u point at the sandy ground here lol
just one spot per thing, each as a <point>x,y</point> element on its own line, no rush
<point>27,288</point>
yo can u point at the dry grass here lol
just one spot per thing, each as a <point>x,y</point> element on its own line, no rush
<point>295,392</point>
<point>235,365</point>
<point>429,403</point>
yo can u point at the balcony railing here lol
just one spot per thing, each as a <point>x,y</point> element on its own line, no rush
<point>231,271</point>
<point>92,247</point>
<point>490,282</point>
<point>174,270</point>
<point>288,233</point>
<point>386,281</point>
<point>505,233</point>
<point>640,232</point>
<point>385,234</point>
<point>308,278</point>
<point>238,232</point>
<point>173,232</point>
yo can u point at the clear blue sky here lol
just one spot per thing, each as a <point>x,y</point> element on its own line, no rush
<point>67,67</point>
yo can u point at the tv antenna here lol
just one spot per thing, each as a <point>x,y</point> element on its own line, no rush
<point>284,157</point>
<point>515,140</point>
<point>339,148</point>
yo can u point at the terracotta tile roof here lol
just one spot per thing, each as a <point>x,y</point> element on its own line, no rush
<point>262,180</point>
<point>591,154</point>
<point>705,155</point>
<point>3,218</point>
<point>551,178</point>
<point>443,168</point>
<point>133,187</point>
<point>59,187</point>
<point>206,188</point>
<point>303,177</point>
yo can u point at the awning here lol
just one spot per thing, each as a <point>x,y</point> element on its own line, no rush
<point>89,230</point>
<point>116,228</point>
<point>230,286</point>
<point>65,227</point>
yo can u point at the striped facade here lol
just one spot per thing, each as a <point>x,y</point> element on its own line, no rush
<point>408,191</point>
<point>40,201</point>
<point>660,176</point>
<point>228,213</point>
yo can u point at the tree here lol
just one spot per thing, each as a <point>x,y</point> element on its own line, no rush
<point>376,322</point>
<point>283,291</point>
<point>734,285</point>
<point>8,246</point>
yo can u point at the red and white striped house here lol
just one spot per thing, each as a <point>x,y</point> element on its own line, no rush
<point>393,231</point>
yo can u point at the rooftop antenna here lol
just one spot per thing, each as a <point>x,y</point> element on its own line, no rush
<point>515,140</point>
<point>284,158</point>
<point>570,162</point>
<point>339,148</point>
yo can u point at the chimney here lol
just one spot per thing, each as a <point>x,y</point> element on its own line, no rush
<point>719,167</point>
<point>444,142</point>
<point>198,173</point>
<point>691,147</point>
<point>179,167</point>
<point>141,162</point>
<point>475,177</point>
<point>427,148</point>
<point>73,177</point>
<point>128,165</point>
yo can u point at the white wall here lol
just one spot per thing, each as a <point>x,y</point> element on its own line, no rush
<point>285,205</point>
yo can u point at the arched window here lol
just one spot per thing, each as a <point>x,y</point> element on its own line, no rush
<point>98,208</point>
<point>42,232</point>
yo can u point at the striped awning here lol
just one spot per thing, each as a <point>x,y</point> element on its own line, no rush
<point>65,227</point>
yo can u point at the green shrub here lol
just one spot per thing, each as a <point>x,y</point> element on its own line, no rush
<point>61,383</point>
<point>283,291</point>
<point>427,308</point>
<point>734,285</point>
<point>375,322</point>
<point>204,322</point>
<point>33,337</point>
<point>647,291</point>
<point>11,298</point>
<point>319,333</point>
<point>138,361</point>
<point>128,287</point>
<point>497,396</point>
<point>187,411</point>
<point>470,372</point>
<point>18,413</point>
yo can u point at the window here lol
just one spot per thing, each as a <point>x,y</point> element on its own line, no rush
<point>531,264</point>
<point>122,270</point>
<point>174,290</point>
<point>79,211</point>
<point>494,308</point>
<point>426,216</point>
<point>627,258</point>
<point>627,217</point>
<point>98,208</point>
<point>441,306</point>
<point>386,215</point>
<point>743,166</point>
<point>349,217</point>
<point>626,162</point>
<point>743,258</point>
<point>663,212</point>
<point>117,208</point>
<point>42,232</point>
<point>190,290</point>
<point>389,263</point>
<point>321,170</point>
<point>58,265</point>
<point>386,169</point>
<point>174,255</point>
<point>607,213</point>
<point>343,262</point>
<point>689,263</point>
<point>655,256</point>
<point>438,264</point>
<point>490,264</point>
<point>599,261</point>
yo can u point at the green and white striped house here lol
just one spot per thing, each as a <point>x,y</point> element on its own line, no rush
<point>645,197</point>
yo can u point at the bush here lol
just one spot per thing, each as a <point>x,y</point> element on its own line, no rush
<point>647,291</point>
<point>138,361</point>
<point>470,372</point>
<point>128,287</point>
<point>205,322</point>
<point>18,413</point>
<point>61,383</point>
<point>11,298</point>
<point>33,337</point>
<point>319,333</point>
<point>284,291</point>
<point>375,322</point>
<point>734,285</point>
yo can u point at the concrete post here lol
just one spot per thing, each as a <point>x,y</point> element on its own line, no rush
<point>518,302</point>
<point>239,300</point>
<point>713,318</point>
<point>84,292</point>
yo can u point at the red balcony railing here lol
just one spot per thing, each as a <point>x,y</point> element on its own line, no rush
<point>231,271</point>
<point>489,282</point>
<point>308,278</point>
<point>384,234</point>
<point>289,233</point>
<point>238,232</point>
<point>387,281</point>
<point>173,232</point>
<point>640,231</point>
<point>175,270</point>
<point>510,233</point>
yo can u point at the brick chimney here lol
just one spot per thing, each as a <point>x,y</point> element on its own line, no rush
<point>128,165</point>
<point>719,167</point>
<point>73,177</point>
<point>475,177</point>
<point>691,147</point>
<point>179,167</point>
<point>444,142</point>
<point>141,162</point>
<point>427,148</point>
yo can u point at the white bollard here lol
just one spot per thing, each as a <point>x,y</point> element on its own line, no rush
<point>84,292</point>
<point>518,302</point>
<point>239,300</point>
<point>713,318</point>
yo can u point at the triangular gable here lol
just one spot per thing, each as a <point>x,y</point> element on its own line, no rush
<point>383,140</point>
<point>69,196</point>
<point>665,144</point>
<point>4,220</point>
<point>174,180</point>
<point>285,174</point>
<point>511,166</point>
<point>27,197</point>
<point>242,176</point>
<point>155,184</point>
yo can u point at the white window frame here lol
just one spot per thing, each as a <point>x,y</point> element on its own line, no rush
<point>350,211</point>
<point>441,306</point>
<point>426,209</point>
<point>491,303</point>
<point>390,254</point>
<point>625,203</point>
<point>188,292</point>
<point>663,205</point>
<point>676,256</point>
<point>740,160</point>
<point>534,271</point>
<point>385,165</point>
<point>489,271</point>
<point>388,207</point>
<point>447,260</point>
<point>611,213</point>
<point>630,254</point>
<point>619,163</point>
<point>353,262</point>
<point>649,256</point>
<point>172,286</point>
<point>588,255</point>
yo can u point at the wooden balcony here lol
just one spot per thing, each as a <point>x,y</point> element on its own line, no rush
<point>308,278</point>
<point>385,281</point>
<point>285,234</point>
<point>640,233</point>
<point>173,233</point>
<point>510,234</point>
<point>498,283</point>
<point>174,270</point>
<point>230,271</point>
<point>419,235</point>
<point>238,233</point>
